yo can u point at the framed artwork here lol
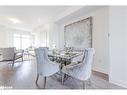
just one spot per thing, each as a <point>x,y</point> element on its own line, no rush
<point>79,34</point>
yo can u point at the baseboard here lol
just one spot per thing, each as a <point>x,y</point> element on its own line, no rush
<point>100,74</point>
<point>106,77</point>
<point>118,83</point>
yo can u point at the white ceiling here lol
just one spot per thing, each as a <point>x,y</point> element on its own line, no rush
<point>78,13</point>
<point>29,16</point>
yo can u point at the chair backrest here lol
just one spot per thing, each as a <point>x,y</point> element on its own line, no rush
<point>8,53</point>
<point>88,61</point>
<point>42,59</point>
<point>41,55</point>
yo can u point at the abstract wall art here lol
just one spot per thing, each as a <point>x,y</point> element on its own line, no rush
<point>79,34</point>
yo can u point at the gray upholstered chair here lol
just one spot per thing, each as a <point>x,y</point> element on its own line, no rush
<point>81,71</point>
<point>9,54</point>
<point>45,67</point>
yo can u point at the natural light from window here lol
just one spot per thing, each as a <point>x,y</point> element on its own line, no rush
<point>22,41</point>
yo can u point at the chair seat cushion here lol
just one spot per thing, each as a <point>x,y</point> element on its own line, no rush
<point>75,71</point>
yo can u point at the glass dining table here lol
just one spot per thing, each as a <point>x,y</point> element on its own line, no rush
<point>64,57</point>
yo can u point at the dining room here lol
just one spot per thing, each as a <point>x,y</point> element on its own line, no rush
<point>71,50</point>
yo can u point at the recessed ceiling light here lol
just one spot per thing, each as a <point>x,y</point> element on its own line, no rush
<point>14,20</point>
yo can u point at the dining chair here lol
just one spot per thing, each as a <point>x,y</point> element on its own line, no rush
<point>45,67</point>
<point>9,54</point>
<point>81,71</point>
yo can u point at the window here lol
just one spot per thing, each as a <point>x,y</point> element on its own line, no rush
<point>44,39</point>
<point>17,41</point>
<point>25,41</point>
<point>22,41</point>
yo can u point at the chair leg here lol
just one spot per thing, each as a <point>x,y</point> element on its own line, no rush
<point>89,82</point>
<point>62,78</point>
<point>84,84</point>
<point>22,58</point>
<point>13,63</point>
<point>44,82</point>
<point>37,78</point>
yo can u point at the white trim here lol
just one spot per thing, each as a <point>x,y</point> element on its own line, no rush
<point>118,83</point>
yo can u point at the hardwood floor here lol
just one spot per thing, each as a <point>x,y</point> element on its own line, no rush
<point>23,76</point>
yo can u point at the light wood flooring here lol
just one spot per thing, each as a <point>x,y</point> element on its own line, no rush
<point>23,76</point>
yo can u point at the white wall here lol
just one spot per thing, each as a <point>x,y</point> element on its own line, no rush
<point>100,35</point>
<point>42,34</point>
<point>2,36</point>
<point>118,45</point>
